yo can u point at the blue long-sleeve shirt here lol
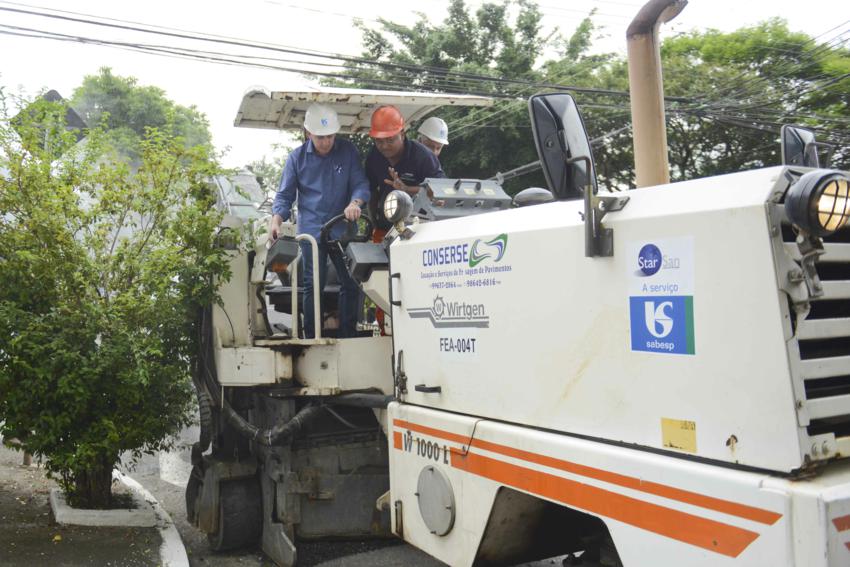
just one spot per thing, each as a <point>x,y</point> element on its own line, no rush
<point>323,185</point>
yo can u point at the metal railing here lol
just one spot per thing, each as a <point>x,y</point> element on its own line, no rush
<point>293,278</point>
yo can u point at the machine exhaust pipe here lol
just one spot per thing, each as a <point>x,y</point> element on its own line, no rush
<point>647,91</point>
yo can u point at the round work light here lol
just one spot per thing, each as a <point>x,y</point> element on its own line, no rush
<point>819,202</point>
<point>397,206</point>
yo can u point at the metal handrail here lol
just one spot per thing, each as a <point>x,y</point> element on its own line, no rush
<point>293,278</point>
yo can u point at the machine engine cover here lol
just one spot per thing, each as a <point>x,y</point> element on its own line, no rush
<point>453,198</point>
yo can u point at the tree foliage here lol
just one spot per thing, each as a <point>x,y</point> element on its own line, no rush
<point>728,93</point>
<point>126,110</point>
<point>743,87</point>
<point>498,40</point>
<point>102,269</point>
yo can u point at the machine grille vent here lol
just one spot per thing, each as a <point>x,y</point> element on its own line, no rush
<point>823,338</point>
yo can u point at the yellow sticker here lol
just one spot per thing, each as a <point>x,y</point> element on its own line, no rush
<point>489,192</point>
<point>469,191</point>
<point>679,434</point>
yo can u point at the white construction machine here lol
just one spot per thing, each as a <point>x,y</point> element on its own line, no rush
<point>656,377</point>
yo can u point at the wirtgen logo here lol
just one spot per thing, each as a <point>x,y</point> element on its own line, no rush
<point>494,249</point>
<point>452,314</point>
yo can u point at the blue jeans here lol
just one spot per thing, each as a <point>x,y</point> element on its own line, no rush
<point>349,293</point>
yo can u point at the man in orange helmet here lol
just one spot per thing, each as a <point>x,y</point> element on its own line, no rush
<point>395,163</point>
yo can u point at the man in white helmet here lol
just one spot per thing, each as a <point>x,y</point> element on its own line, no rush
<point>434,134</point>
<point>325,176</point>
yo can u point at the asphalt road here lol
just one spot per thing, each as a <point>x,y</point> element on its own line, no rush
<point>165,475</point>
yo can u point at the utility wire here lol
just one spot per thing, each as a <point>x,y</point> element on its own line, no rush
<point>355,73</point>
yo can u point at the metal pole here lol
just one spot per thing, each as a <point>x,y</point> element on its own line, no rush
<point>316,291</point>
<point>646,90</point>
<point>293,284</point>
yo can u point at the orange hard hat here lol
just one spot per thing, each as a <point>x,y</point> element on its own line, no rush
<point>387,121</point>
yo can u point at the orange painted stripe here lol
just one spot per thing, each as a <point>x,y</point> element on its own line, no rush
<point>397,439</point>
<point>694,530</point>
<point>431,431</point>
<point>708,502</point>
<point>842,524</point>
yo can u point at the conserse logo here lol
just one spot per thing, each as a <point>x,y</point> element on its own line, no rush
<point>494,249</point>
<point>453,254</point>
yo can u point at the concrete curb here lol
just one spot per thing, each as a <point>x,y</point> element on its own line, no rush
<point>172,552</point>
<point>148,513</point>
<point>142,516</point>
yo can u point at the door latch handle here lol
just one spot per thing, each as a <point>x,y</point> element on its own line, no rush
<point>428,389</point>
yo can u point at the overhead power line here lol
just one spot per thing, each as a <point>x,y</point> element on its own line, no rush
<point>403,76</point>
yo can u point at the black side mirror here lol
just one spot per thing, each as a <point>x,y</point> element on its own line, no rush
<point>798,147</point>
<point>560,135</point>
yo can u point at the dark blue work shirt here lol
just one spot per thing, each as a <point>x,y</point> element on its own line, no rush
<point>417,162</point>
<point>324,185</point>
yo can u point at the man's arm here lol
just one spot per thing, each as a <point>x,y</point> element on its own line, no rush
<point>358,186</point>
<point>286,193</point>
<point>427,165</point>
<point>434,168</point>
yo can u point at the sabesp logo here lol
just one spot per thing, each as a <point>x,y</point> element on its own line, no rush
<point>649,260</point>
<point>659,322</point>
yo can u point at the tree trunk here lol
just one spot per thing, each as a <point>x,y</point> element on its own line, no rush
<point>93,486</point>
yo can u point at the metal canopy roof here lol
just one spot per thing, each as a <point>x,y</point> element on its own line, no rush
<point>284,110</point>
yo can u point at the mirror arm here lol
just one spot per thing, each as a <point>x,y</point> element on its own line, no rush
<point>829,148</point>
<point>598,240</point>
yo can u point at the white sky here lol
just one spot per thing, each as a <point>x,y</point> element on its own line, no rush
<point>216,89</point>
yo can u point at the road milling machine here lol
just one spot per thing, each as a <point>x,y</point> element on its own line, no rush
<point>655,377</point>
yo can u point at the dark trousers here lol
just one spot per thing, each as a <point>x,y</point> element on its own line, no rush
<point>348,291</point>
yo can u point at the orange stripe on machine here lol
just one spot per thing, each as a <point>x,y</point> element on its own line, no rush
<point>708,502</point>
<point>842,523</point>
<point>695,530</point>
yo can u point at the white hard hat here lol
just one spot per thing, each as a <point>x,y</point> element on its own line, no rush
<point>321,120</point>
<point>436,129</point>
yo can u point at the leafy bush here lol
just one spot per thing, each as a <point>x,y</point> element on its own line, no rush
<point>102,269</point>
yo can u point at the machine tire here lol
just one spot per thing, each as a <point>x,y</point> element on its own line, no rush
<point>193,492</point>
<point>205,417</point>
<point>240,515</point>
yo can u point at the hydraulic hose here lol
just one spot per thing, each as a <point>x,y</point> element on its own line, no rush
<point>360,400</point>
<point>282,431</point>
<point>209,385</point>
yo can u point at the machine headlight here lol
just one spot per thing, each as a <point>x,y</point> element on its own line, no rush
<point>819,202</point>
<point>397,206</point>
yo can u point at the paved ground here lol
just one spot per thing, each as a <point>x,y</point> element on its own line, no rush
<point>29,535</point>
<point>175,468</point>
<point>363,553</point>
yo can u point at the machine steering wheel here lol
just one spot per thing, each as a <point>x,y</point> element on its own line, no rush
<point>352,233</point>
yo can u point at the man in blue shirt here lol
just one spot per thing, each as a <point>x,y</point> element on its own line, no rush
<point>393,160</point>
<point>325,176</point>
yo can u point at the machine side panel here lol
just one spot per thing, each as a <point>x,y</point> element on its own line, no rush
<point>676,342</point>
<point>677,512</point>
